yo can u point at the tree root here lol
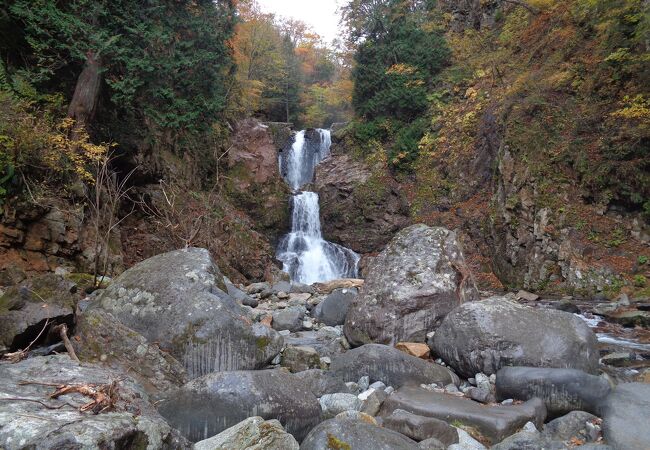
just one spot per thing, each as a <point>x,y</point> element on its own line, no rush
<point>104,396</point>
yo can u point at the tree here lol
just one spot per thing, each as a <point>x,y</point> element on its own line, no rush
<point>397,57</point>
<point>164,62</point>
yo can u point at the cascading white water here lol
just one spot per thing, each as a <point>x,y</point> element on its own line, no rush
<point>305,255</point>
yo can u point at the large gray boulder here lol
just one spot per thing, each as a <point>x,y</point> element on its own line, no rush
<point>494,422</point>
<point>333,310</point>
<point>409,288</point>
<point>351,434</point>
<point>562,390</point>
<point>390,366</point>
<point>488,335</point>
<point>625,416</point>
<point>102,339</point>
<point>30,425</point>
<point>208,405</point>
<point>178,300</point>
<point>253,433</point>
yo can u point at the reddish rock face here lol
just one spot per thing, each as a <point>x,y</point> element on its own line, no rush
<point>359,209</point>
<point>255,150</point>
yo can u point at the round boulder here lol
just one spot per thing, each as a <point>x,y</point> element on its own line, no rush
<point>355,434</point>
<point>179,300</point>
<point>488,335</point>
<point>410,287</point>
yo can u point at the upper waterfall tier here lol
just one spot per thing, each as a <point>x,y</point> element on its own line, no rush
<point>297,164</point>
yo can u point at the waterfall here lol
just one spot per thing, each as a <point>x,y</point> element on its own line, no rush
<point>305,255</point>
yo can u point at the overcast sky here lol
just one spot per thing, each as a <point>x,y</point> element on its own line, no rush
<point>319,14</point>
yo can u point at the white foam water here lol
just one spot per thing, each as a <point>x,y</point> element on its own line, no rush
<point>305,255</point>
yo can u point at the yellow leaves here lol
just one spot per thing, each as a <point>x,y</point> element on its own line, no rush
<point>75,153</point>
<point>635,108</point>
<point>401,69</point>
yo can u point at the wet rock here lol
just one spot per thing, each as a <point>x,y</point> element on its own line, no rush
<point>409,288</point>
<point>178,300</point>
<point>494,422</point>
<point>252,433</point>
<point>390,366</point>
<point>481,395</point>
<point>417,349</point>
<point>333,404</point>
<point>567,306</point>
<point>562,390</point>
<point>25,308</point>
<point>208,405</point>
<point>618,359</point>
<point>321,382</point>
<point>573,425</point>
<point>297,359</point>
<point>355,434</point>
<point>25,424</point>
<point>625,415</point>
<point>334,308</point>
<point>487,335</point>
<point>102,338</point>
<point>288,319</point>
<point>420,428</point>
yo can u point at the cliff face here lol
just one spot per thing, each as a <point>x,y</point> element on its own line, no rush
<point>535,153</point>
<point>361,208</point>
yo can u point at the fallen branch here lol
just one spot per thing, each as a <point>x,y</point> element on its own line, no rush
<point>22,399</point>
<point>62,331</point>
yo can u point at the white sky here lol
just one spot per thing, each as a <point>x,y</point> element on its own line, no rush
<point>319,14</point>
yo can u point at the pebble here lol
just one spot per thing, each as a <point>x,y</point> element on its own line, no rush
<point>307,324</point>
<point>284,332</point>
<point>389,390</point>
<point>378,385</point>
<point>508,401</point>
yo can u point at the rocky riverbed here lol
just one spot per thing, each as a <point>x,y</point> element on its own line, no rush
<point>174,355</point>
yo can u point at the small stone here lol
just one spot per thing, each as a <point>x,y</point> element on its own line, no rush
<point>333,404</point>
<point>307,325</point>
<point>451,389</point>
<point>371,401</point>
<point>267,321</point>
<point>507,401</point>
<point>364,383</point>
<point>493,379</point>
<point>284,332</point>
<point>389,390</point>
<point>282,295</point>
<point>299,297</point>
<point>300,358</point>
<point>416,349</point>
<point>326,360</point>
<point>481,395</point>
<point>277,359</point>
<point>103,357</point>
<point>378,385</point>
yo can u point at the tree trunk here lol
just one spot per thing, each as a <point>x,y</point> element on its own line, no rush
<point>86,93</point>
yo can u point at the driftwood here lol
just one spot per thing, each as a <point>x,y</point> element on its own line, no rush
<point>345,283</point>
<point>104,396</point>
<point>22,354</point>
